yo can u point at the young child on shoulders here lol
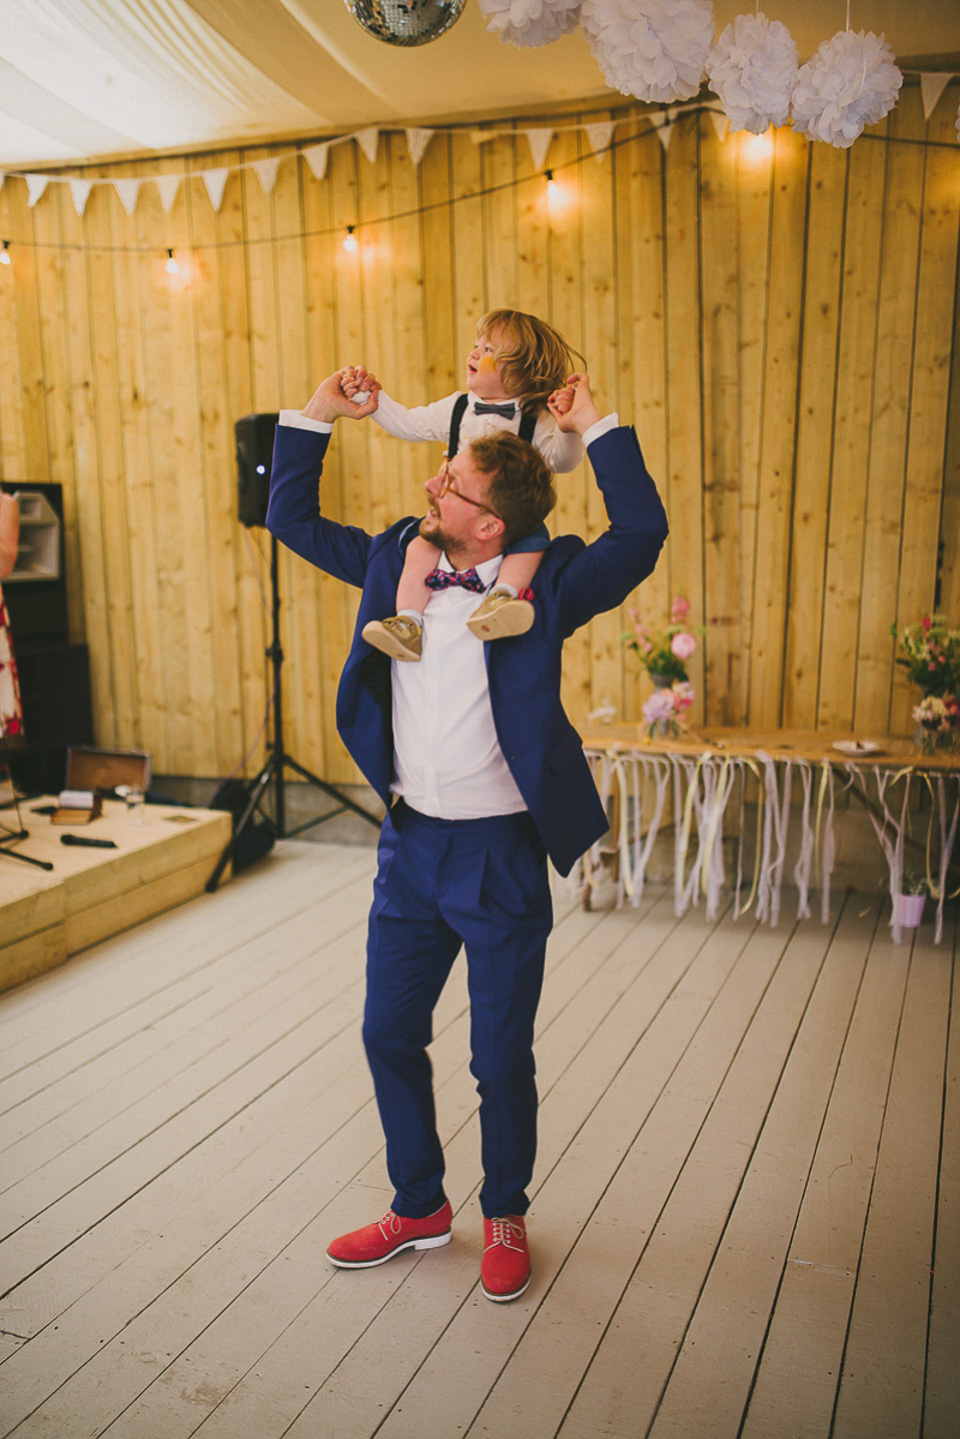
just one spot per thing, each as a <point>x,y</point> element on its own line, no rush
<point>516,365</point>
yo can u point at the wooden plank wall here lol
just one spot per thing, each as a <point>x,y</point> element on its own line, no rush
<point>779,318</point>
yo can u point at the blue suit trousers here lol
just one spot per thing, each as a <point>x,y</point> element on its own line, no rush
<point>441,884</point>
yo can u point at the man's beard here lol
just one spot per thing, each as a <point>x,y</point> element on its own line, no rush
<point>436,535</point>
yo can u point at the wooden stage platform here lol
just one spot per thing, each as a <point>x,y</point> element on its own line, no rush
<point>164,855</point>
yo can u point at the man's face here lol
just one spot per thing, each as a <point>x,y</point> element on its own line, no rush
<point>459,514</point>
<point>484,371</point>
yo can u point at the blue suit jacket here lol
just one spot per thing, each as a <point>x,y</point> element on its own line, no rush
<point>575,581</point>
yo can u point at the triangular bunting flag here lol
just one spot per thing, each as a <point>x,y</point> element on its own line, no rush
<point>720,123</point>
<point>36,184</point>
<point>316,158</point>
<point>931,88</point>
<point>417,142</point>
<point>665,128</point>
<point>539,142</point>
<point>267,172</point>
<point>480,137</point>
<point>168,185</point>
<point>80,193</point>
<point>600,134</point>
<point>368,140</point>
<point>215,182</point>
<point>127,190</point>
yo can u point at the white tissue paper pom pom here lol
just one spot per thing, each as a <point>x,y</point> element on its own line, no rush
<point>530,22</point>
<point>850,82</point>
<point>753,67</point>
<point>653,49</point>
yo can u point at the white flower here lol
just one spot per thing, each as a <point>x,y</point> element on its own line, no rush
<point>530,22</point>
<point>653,49</point>
<point>753,69</point>
<point>850,82</point>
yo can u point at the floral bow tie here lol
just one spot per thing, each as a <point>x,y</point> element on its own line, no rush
<point>467,579</point>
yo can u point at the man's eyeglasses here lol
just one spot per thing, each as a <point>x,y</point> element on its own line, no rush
<point>446,488</point>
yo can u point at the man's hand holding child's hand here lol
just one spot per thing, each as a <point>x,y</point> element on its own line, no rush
<point>350,393</point>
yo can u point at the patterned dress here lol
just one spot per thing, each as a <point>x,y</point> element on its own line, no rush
<point>11,710</point>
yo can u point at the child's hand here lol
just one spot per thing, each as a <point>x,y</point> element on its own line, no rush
<point>561,400</point>
<point>349,383</point>
<point>581,412</point>
<point>332,402</point>
<point>357,383</point>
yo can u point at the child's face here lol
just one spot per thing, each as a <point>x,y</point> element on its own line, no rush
<point>484,372</point>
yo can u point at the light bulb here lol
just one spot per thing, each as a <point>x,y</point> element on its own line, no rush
<point>555,194</point>
<point>758,148</point>
<point>351,244</point>
<point>172,267</point>
<point>5,254</point>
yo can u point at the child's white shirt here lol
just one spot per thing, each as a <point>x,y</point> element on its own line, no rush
<point>561,450</point>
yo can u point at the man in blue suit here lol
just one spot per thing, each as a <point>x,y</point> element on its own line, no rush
<point>483,777</point>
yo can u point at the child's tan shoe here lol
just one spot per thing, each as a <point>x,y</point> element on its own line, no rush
<point>501,614</point>
<point>397,636</point>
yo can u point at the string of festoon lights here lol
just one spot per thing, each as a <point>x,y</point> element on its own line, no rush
<point>652,52</point>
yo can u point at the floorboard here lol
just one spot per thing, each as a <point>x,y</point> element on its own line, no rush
<point>745,1216</point>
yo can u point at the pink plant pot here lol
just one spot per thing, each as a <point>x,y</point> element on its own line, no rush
<point>908,910</point>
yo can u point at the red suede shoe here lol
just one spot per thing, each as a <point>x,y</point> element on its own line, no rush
<point>505,1271</point>
<point>376,1243</point>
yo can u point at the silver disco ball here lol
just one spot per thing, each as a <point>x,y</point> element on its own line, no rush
<point>405,22</point>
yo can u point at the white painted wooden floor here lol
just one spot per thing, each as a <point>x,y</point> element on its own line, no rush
<point>746,1211</point>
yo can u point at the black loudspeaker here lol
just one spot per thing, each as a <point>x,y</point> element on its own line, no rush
<point>36,591</point>
<point>254,435</point>
<point>57,713</point>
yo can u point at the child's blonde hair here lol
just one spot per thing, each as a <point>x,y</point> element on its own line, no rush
<point>535,360</point>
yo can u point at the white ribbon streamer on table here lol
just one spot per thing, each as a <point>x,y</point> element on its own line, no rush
<point>947,840</point>
<point>640,767</point>
<point>702,789</point>
<point>684,808</point>
<point>892,848</point>
<point>712,874</point>
<point>742,768</point>
<point>801,870</point>
<point>774,831</point>
<point>825,866</point>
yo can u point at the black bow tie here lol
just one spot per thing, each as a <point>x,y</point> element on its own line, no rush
<point>467,579</point>
<point>480,407</point>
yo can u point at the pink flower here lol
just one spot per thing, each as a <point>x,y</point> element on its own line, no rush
<point>659,706</point>
<point>679,610</point>
<point>683,695</point>
<point>683,645</point>
<point>926,623</point>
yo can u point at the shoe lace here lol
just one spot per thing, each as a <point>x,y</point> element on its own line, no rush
<point>505,1232</point>
<point>391,1222</point>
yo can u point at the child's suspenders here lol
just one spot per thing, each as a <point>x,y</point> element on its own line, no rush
<point>528,423</point>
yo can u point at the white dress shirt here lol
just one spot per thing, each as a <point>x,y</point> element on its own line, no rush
<point>561,449</point>
<point>447,757</point>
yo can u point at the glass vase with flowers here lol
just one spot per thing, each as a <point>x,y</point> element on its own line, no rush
<point>930,654</point>
<point>664,653</point>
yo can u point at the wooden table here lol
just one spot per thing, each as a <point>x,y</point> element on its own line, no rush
<point>706,768</point>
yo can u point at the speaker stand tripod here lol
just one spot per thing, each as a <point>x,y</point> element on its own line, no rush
<point>10,837</point>
<point>278,761</point>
